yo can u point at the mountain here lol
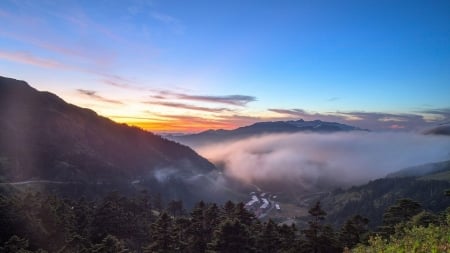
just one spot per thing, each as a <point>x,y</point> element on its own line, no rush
<point>371,200</point>
<point>43,138</point>
<point>261,128</point>
<point>421,170</point>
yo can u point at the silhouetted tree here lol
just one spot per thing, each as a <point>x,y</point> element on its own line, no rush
<point>354,231</point>
<point>231,237</point>
<point>163,240</point>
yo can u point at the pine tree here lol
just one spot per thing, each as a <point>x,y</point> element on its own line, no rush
<point>318,237</point>
<point>109,244</point>
<point>243,215</point>
<point>197,232</point>
<point>181,232</point>
<point>163,240</point>
<point>399,214</point>
<point>268,240</point>
<point>287,238</point>
<point>228,211</point>
<point>231,237</point>
<point>354,231</point>
<point>15,244</point>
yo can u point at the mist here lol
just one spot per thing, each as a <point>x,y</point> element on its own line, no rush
<point>313,160</point>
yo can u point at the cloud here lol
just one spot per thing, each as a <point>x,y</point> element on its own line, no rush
<point>94,95</point>
<point>375,120</point>
<point>444,113</point>
<point>293,112</point>
<point>332,99</point>
<point>237,100</point>
<point>188,107</point>
<point>173,23</point>
<point>309,161</point>
<point>28,58</point>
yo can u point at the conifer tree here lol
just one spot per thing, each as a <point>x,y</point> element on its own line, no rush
<point>268,240</point>
<point>163,240</point>
<point>109,244</point>
<point>197,232</point>
<point>231,237</point>
<point>354,231</point>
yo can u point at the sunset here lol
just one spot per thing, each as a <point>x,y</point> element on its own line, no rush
<point>224,126</point>
<point>176,66</point>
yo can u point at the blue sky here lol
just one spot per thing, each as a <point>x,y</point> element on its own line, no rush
<point>193,65</point>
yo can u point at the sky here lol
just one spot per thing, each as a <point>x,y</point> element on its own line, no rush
<point>188,66</point>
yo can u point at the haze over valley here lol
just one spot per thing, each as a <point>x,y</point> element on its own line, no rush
<point>153,126</point>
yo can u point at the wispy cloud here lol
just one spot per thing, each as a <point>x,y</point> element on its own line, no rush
<point>443,112</point>
<point>28,58</point>
<point>374,120</point>
<point>332,99</point>
<point>237,100</point>
<point>293,112</point>
<point>187,106</point>
<point>173,23</point>
<point>94,95</point>
<point>118,81</point>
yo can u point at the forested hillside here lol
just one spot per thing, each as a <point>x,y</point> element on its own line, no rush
<point>373,198</point>
<point>33,222</point>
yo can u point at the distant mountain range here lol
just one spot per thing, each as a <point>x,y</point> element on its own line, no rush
<point>261,128</point>
<point>44,138</point>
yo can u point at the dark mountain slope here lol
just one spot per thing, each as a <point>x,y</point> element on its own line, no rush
<point>43,137</point>
<point>372,199</point>
<point>261,128</point>
<point>422,170</point>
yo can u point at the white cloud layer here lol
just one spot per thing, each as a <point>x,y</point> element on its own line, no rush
<point>340,159</point>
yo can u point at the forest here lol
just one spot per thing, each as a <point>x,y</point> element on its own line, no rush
<point>36,222</point>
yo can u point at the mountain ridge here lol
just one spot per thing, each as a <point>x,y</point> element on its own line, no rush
<point>260,128</point>
<point>45,138</point>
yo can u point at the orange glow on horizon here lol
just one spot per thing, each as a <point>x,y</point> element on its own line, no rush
<point>179,126</point>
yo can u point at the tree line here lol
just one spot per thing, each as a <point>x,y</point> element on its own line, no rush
<point>35,222</point>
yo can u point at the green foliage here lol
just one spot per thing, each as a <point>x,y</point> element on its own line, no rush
<point>319,237</point>
<point>417,239</point>
<point>397,215</point>
<point>231,236</point>
<point>354,231</point>
<point>31,222</point>
<point>372,199</point>
<point>109,244</point>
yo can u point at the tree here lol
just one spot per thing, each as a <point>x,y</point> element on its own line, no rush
<point>319,238</point>
<point>162,238</point>
<point>268,240</point>
<point>287,238</point>
<point>181,232</point>
<point>109,244</point>
<point>399,213</point>
<point>243,215</point>
<point>16,244</point>
<point>354,231</point>
<point>228,210</point>
<point>231,237</point>
<point>198,233</point>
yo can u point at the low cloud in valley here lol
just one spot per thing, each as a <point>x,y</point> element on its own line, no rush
<point>340,159</point>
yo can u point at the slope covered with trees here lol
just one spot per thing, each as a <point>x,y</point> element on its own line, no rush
<point>43,223</point>
<point>73,151</point>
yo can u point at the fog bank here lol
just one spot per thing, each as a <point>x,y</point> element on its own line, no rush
<point>338,159</point>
